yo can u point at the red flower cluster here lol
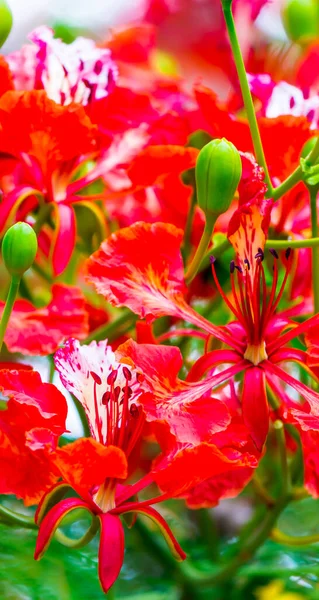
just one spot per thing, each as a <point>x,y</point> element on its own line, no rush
<point>97,154</point>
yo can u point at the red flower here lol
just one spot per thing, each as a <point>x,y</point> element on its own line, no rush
<point>29,428</point>
<point>141,267</point>
<point>41,161</point>
<point>118,392</point>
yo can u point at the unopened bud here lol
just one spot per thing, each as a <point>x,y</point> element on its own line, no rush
<point>5,21</point>
<point>218,172</point>
<point>19,248</point>
<point>308,147</point>
<point>301,20</point>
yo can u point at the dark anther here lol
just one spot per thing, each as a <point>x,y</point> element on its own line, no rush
<point>273,252</point>
<point>134,410</point>
<point>106,397</point>
<point>260,254</point>
<point>128,391</point>
<point>246,261</point>
<point>111,377</point>
<point>232,266</point>
<point>96,377</point>
<point>288,253</point>
<point>212,259</point>
<point>117,392</point>
<point>140,377</point>
<point>238,268</point>
<point>127,373</point>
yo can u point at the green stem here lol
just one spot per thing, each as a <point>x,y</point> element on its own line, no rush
<point>9,517</point>
<point>13,292</point>
<point>193,268</point>
<point>244,86</point>
<point>82,541</point>
<point>284,244</point>
<point>261,491</point>
<point>42,217</point>
<point>114,329</point>
<point>315,250</point>
<point>183,573</point>
<point>208,532</point>
<point>281,441</point>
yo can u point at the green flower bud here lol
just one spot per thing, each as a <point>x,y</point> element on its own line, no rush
<point>301,20</point>
<point>5,21</point>
<point>218,172</point>
<point>19,248</point>
<point>308,147</point>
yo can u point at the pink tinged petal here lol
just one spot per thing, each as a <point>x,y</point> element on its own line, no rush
<point>157,518</point>
<point>84,371</point>
<point>255,405</point>
<point>309,395</point>
<point>64,238</point>
<point>52,520</point>
<point>77,72</point>
<point>111,550</point>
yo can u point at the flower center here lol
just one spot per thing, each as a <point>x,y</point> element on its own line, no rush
<point>105,496</point>
<point>256,353</point>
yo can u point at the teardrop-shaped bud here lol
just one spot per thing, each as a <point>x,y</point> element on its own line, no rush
<point>5,21</point>
<point>19,248</point>
<point>218,172</point>
<point>301,20</point>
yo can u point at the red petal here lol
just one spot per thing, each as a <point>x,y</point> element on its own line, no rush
<point>64,238</point>
<point>38,331</point>
<point>52,521</point>
<point>191,416</point>
<point>111,550</point>
<point>255,405</point>
<point>155,162</point>
<point>86,463</point>
<point>186,468</point>
<point>141,267</point>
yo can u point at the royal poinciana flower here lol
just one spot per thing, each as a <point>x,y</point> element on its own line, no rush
<point>30,425</point>
<point>78,72</point>
<point>39,331</point>
<point>39,163</point>
<point>141,268</point>
<point>118,392</point>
